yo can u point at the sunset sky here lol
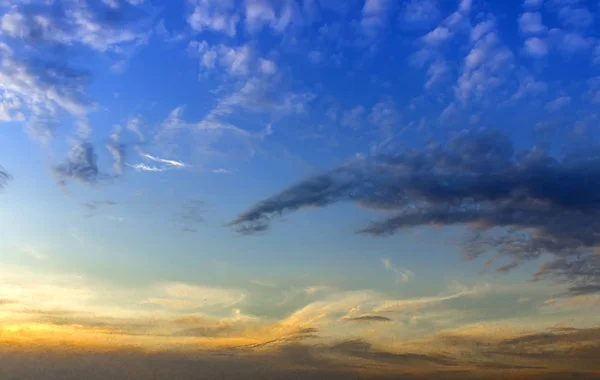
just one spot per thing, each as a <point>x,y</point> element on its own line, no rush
<point>268,188</point>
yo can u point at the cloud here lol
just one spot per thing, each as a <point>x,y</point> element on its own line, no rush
<point>133,125</point>
<point>531,23</point>
<point>81,165</point>
<point>146,168</point>
<point>558,103</point>
<point>4,177</point>
<point>385,116</point>
<point>374,16</point>
<point>213,15</point>
<point>168,163</point>
<point>536,47</point>
<point>187,296</point>
<point>278,16</point>
<point>421,14</point>
<point>545,204</point>
<point>532,3</point>
<point>367,319</point>
<point>191,215</point>
<point>353,118</point>
<point>118,152</point>
<point>402,275</point>
<point>33,251</point>
<point>114,31</point>
<point>221,171</point>
<point>573,17</point>
<point>487,64</point>
<point>237,61</point>
<point>570,43</point>
<point>43,90</point>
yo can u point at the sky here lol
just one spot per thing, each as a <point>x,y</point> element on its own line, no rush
<point>276,188</point>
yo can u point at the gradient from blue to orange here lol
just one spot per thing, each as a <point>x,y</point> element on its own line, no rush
<point>135,131</point>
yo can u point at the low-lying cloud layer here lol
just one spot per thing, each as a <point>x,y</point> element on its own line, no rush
<point>542,203</point>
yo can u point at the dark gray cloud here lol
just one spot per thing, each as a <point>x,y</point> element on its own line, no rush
<point>363,349</point>
<point>81,165</point>
<point>4,177</point>
<point>368,319</point>
<point>541,203</point>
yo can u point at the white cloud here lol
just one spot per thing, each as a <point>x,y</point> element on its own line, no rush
<point>531,23</point>
<point>278,15</point>
<point>258,13</point>
<point>237,61</point>
<point>436,72</point>
<point>214,15</point>
<point>437,36</point>
<point>528,85</point>
<point>536,47</point>
<point>221,171</point>
<point>532,3</point>
<point>596,55</point>
<point>33,251</point>
<point>168,163</point>
<point>133,124</point>
<point>486,65</point>
<point>558,103</point>
<point>184,296</point>
<point>315,57</point>
<point>117,151</point>
<point>579,18</point>
<point>570,43</point>
<point>145,168</point>
<point>374,15</point>
<point>78,24</point>
<point>353,118</point>
<point>421,13</point>
<point>402,275</point>
<point>385,116</point>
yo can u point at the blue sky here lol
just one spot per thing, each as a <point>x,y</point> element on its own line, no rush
<point>236,147</point>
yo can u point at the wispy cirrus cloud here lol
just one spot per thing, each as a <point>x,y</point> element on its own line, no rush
<point>402,275</point>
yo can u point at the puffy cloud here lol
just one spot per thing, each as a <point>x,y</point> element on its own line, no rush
<point>570,43</point>
<point>558,103</point>
<point>214,15</point>
<point>43,89</point>
<point>353,118</point>
<point>487,64</point>
<point>279,16</point>
<point>536,47</point>
<point>420,13</point>
<point>546,204</point>
<point>237,61</point>
<point>77,23</point>
<point>531,23</point>
<point>385,116</point>
<point>573,17</point>
<point>532,3</point>
<point>374,16</point>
